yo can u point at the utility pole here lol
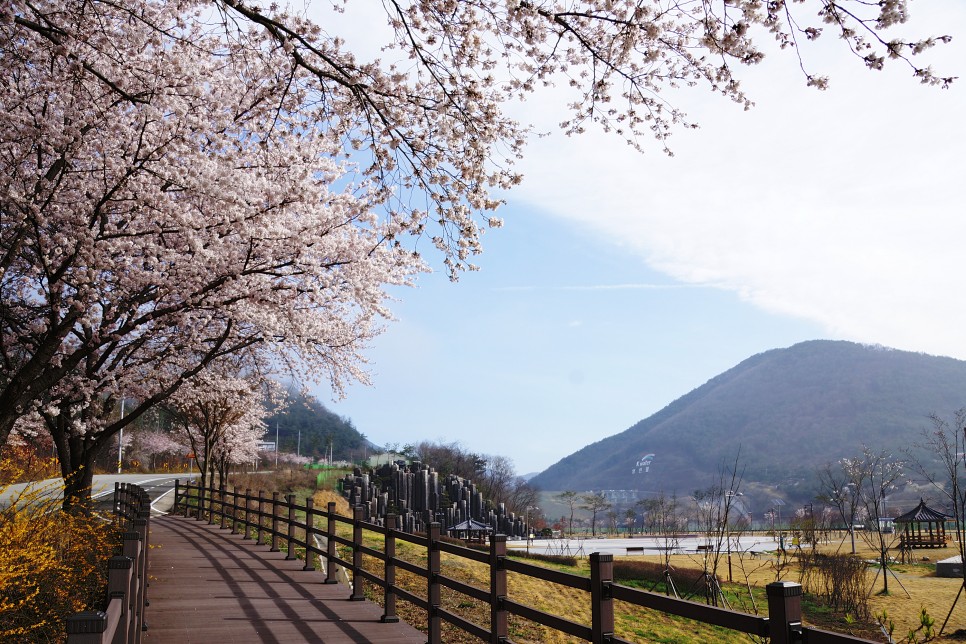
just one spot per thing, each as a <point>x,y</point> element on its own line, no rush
<point>120,440</point>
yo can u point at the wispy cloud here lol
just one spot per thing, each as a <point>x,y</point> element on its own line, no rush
<point>602,287</point>
<point>627,287</point>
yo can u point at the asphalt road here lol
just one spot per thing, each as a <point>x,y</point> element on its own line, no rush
<point>160,487</point>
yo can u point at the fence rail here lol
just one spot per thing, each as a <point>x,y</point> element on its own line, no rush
<point>123,620</point>
<point>276,520</point>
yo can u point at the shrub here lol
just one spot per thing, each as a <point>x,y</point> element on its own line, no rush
<point>52,564</point>
<point>653,572</point>
<point>563,560</point>
<point>837,580</point>
<point>22,463</point>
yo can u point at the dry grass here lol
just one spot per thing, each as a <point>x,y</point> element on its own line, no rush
<point>936,594</point>
<point>632,622</point>
<point>927,591</point>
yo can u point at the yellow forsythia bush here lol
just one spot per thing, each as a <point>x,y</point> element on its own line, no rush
<point>52,564</point>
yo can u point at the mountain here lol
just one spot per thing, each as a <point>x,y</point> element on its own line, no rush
<point>789,410</point>
<point>305,426</point>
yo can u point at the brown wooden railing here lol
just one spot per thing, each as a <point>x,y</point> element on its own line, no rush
<point>123,620</point>
<point>274,519</point>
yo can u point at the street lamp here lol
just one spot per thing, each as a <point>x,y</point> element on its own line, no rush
<point>781,536</point>
<point>728,496</point>
<point>529,529</point>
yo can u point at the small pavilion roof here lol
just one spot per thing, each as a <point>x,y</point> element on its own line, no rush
<point>470,526</point>
<point>922,513</point>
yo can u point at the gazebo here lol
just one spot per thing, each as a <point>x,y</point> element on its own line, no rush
<point>922,527</point>
<point>470,530</point>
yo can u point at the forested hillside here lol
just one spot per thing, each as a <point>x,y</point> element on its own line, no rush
<point>306,426</point>
<point>789,410</point>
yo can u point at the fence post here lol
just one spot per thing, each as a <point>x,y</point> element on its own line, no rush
<point>131,541</point>
<point>86,627</point>
<point>132,550</point>
<point>274,547</point>
<point>221,502</point>
<point>389,596</point>
<point>117,500</point>
<point>433,591</point>
<point>141,570</point>
<point>211,507</point>
<point>248,513</point>
<point>146,539</point>
<point>309,534</point>
<point>330,566</point>
<point>201,500</point>
<point>498,589</point>
<point>145,503</point>
<point>261,517</point>
<point>234,509</point>
<point>119,572</point>
<point>123,625</point>
<point>784,611</point>
<point>357,582</point>
<point>290,554</point>
<point>187,497</point>
<point>601,599</point>
<point>174,508</point>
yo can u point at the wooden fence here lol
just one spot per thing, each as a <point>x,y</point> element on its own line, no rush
<point>123,620</point>
<point>273,520</point>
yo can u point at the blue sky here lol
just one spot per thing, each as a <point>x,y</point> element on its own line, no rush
<point>622,281</point>
<point>561,340</point>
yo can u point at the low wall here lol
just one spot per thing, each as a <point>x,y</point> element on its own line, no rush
<point>952,567</point>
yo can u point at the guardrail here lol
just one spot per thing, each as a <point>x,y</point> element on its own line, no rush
<point>274,520</point>
<point>123,620</point>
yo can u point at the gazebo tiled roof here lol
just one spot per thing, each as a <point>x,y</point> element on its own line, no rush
<point>471,526</point>
<point>922,513</point>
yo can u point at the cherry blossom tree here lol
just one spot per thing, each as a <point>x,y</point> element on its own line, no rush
<point>189,180</point>
<point>149,444</point>
<point>222,417</point>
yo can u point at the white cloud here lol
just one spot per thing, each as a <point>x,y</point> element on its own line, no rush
<point>842,207</point>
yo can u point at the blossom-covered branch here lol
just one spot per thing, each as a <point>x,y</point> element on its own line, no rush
<point>189,180</point>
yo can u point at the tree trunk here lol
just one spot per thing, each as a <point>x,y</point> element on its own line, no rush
<point>885,570</point>
<point>76,456</point>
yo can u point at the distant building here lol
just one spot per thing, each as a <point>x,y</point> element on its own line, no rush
<point>620,497</point>
<point>375,460</point>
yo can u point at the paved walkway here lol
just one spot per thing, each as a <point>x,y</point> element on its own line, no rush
<point>208,585</point>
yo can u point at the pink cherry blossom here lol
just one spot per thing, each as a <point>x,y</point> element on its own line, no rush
<point>189,180</point>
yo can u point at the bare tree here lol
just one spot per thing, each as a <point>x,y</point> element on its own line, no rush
<point>662,516</point>
<point>947,441</point>
<point>630,515</point>
<point>570,498</point>
<point>714,505</point>
<point>875,475</point>
<point>595,503</point>
<point>612,521</point>
<point>837,490</point>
